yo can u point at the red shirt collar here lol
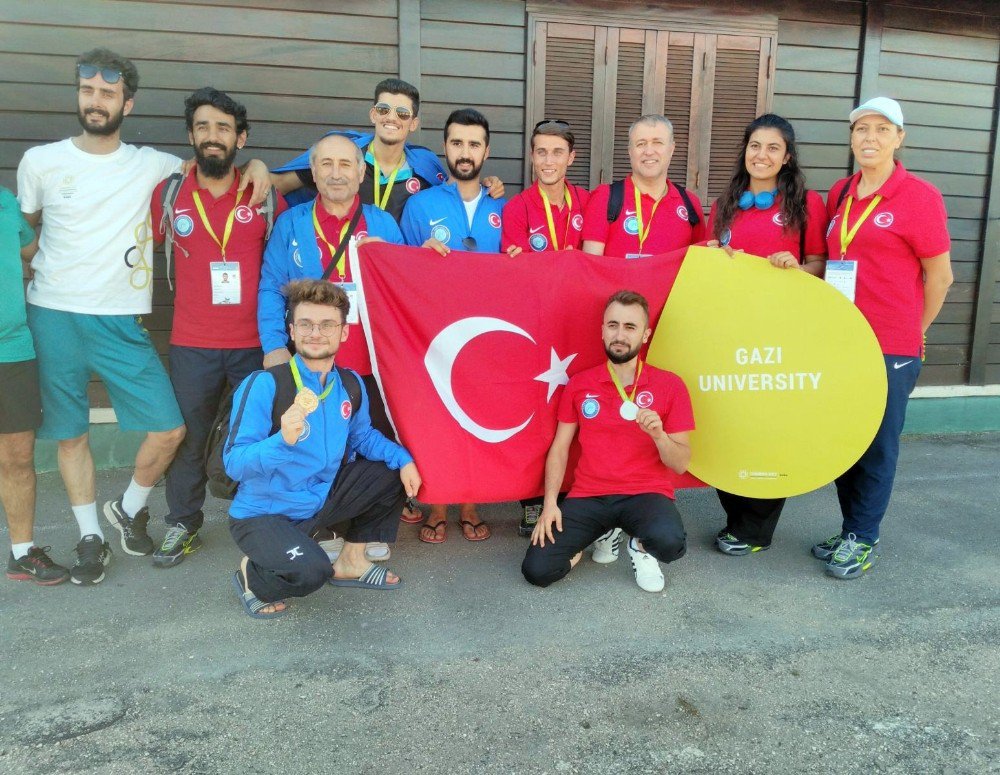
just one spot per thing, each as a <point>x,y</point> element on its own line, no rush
<point>887,189</point>
<point>331,223</point>
<point>205,193</point>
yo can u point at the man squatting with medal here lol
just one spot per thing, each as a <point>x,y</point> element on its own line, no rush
<point>633,422</point>
<point>305,475</point>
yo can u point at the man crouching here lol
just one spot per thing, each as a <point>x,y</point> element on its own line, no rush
<point>292,448</point>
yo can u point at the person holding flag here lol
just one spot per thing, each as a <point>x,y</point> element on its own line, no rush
<point>632,421</point>
<point>766,211</point>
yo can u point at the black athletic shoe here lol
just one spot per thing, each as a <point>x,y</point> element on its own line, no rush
<point>177,543</point>
<point>135,539</point>
<point>92,555</point>
<point>529,520</point>
<point>36,566</point>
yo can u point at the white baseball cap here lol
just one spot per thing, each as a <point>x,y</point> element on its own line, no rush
<point>882,106</point>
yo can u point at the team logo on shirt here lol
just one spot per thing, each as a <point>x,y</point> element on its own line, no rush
<point>413,185</point>
<point>725,237</point>
<point>631,224</point>
<point>244,214</point>
<point>440,177</point>
<point>682,213</point>
<point>884,220</point>
<point>644,399</point>
<point>494,220</point>
<point>778,220</point>
<point>305,431</point>
<point>577,222</point>
<point>183,225</point>
<point>345,410</point>
<point>538,242</point>
<point>589,408</point>
<point>297,258</point>
<point>829,228</point>
<point>441,233</point>
<point>360,234</point>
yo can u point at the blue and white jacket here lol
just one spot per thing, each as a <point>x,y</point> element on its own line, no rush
<point>440,213</point>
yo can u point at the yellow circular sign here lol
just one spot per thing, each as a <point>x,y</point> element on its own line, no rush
<point>786,376</point>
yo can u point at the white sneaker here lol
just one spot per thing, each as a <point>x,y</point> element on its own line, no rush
<point>648,575</point>
<point>376,551</point>
<point>606,547</point>
<point>333,547</point>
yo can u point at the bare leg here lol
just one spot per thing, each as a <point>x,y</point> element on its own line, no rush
<point>155,454</point>
<point>270,608</point>
<point>77,468</point>
<point>478,529</point>
<point>351,564</point>
<point>17,483</point>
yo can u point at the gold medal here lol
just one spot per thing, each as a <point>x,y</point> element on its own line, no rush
<point>307,400</point>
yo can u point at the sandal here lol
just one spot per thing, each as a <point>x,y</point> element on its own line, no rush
<point>252,604</point>
<point>428,529</point>
<point>471,534</point>
<point>411,515</point>
<point>375,577</point>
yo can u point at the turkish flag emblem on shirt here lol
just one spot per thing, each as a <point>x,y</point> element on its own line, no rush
<point>472,349</point>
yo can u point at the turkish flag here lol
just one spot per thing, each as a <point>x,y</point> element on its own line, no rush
<point>471,351</point>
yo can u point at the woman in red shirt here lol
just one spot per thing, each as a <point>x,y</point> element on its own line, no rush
<point>890,231</point>
<point>766,211</point>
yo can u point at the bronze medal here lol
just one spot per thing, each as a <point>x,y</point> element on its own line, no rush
<point>307,400</point>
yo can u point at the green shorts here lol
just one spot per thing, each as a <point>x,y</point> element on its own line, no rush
<point>71,346</point>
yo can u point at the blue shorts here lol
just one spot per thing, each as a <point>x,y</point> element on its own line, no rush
<point>71,346</point>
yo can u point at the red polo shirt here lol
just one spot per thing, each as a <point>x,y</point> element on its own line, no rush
<point>668,231</point>
<point>525,224</point>
<point>762,232</point>
<point>198,322</point>
<point>908,224</point>
<point>354,352</point>
<point>617,457</point>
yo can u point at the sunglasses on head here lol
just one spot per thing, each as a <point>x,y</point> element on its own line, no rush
<point>383,109</point>
<point>553,121</point>
<point>107,73</point>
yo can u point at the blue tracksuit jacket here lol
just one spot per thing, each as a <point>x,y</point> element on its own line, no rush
<point>439,212</point>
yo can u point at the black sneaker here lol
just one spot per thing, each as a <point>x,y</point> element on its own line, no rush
<point>36,566</point>
<point>177,543</point>
<point>92,555</point>
<point>529,520</point>
<point>135,539</point>
<point>727,543</point>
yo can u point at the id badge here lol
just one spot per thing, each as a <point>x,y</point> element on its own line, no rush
<point>225,282</point>
<point>843,275</point>
<point>351,289</point>
<point>638,255</point>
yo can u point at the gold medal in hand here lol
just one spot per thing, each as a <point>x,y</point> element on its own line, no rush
<point>307,400</point>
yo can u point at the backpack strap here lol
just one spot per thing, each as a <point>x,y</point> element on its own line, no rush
<point>268,208</point>
<point>343,242</point>
<point>802,240</point>
<point>843,192</point>
<point>694,217</point>
<point>168,198</point>
<point>284,393</point>
<point>353,387</point>
<point>234,425</point>
<point>616,199</point>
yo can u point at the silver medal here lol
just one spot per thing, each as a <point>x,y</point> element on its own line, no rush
<point>629,411</point>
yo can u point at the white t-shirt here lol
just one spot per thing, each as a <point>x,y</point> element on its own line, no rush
<point>470,207</point>
<point>95,252</point>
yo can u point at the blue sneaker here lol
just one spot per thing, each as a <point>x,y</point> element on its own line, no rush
<point>851,559</point>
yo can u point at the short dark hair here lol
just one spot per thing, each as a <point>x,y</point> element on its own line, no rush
<point>316,292</point>
<point>629,299</point>
<point>467,117</point>
<point>397,86</point>
<point>107,59</point>
<point>207,95</point>
<point>553,128</point>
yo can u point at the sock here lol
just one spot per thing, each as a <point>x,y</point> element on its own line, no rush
<point>21,550</point>
<point>86,518</point>
<point>135,497</point>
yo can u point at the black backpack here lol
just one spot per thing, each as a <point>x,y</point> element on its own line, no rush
<point>222,435</point>
<point>616,199</point>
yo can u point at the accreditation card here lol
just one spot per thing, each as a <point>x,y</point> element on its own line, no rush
<point>225,282</point>
<point>843,275</point>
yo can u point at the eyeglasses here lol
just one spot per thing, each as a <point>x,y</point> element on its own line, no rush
<point>89,71</point>
<point>553,121</point>
<point>306,327</point>
<point>383,109</point>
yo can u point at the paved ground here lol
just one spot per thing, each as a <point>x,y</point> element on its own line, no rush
<point>743,665</point>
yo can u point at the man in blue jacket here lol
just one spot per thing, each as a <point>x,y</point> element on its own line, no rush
<point>300,476</point>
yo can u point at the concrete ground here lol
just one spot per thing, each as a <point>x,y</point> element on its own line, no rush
<point>758,664</point>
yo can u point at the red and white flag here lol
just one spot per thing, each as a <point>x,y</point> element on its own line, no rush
<point>471,351</point>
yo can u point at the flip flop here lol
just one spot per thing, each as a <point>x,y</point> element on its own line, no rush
<point>434,529</point>
<point>373,578</point>
<point>252,604</point>
<point>468,523</point>
<point>411,515</point>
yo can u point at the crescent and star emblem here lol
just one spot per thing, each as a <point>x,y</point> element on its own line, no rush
<point>445,348</point>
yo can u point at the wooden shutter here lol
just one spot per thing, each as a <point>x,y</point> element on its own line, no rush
<point>629,86</point>
<point>679,100</point>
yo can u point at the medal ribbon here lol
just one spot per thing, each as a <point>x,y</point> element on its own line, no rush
<point>643,233</point>
<point>208,227</point>
<point>381,202</point>
<point>847,237</point>
<point>618,383</point>
<point>552,223</point>
<point>331,248</point>
<point>298,380</point>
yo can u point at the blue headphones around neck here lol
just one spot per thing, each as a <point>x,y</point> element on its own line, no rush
<point>762,201</point>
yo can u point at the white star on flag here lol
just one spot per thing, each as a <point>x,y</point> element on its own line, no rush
<point>556,375</point>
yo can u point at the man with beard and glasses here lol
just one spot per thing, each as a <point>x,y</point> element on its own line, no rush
<point>93,279</point>
<point>218,240</point>
<point>461,216</point>
<point>633,422</point>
